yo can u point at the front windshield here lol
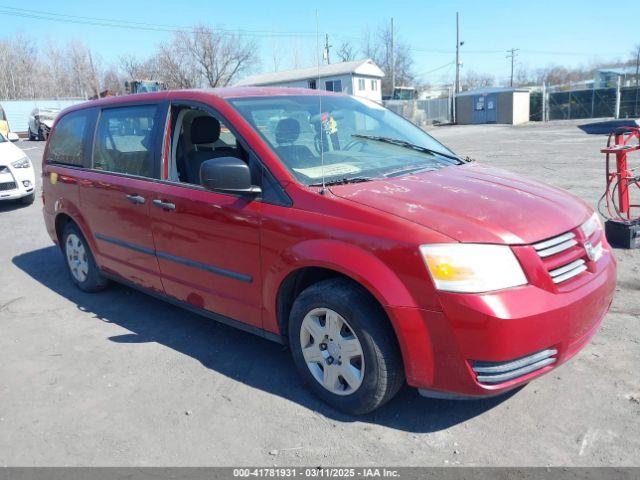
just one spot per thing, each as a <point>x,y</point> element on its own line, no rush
<point>358,138</point>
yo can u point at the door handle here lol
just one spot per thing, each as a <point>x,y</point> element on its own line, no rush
<point>164,205</point>
<point>137,199</point>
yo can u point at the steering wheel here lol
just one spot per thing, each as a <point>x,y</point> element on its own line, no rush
<point>353,143</point>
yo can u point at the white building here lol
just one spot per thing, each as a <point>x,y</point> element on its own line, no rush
<point>360,77</point>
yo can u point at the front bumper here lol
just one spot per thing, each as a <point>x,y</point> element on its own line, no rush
<point>440,348</point>
<point>12,185</point>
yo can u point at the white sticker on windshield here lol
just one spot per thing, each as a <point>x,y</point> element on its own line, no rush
<point>329,170</point>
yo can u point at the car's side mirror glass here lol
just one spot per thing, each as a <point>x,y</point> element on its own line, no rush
<point>227,174</point>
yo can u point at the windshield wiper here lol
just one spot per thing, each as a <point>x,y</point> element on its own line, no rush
<point>405,144</point>
<point>342,181</point>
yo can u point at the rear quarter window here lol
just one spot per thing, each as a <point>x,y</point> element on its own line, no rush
<point>66,145</point>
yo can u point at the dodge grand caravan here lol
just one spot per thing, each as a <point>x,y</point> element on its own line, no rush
<point>331,224</point>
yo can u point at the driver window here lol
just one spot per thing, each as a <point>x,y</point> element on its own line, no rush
<point>197,137</point>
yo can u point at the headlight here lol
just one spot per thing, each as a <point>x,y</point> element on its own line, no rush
<point>591,225</point>
<point>22,163</point>
<point>472,268</point>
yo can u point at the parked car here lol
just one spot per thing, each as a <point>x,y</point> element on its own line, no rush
<point>40,122</point>
<point>17,177</point>
<point>375,252</point>
<point>4,123</point>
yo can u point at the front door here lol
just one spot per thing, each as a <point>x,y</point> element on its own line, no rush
<point>492,108</point>
<point>207,243</point>
<point>117,192</point>
<point>479,109</point>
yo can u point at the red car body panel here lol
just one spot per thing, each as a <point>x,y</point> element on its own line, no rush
<point>369,232</point>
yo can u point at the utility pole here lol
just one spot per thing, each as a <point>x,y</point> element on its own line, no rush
<point>457,86</point>
<point>327,47</point>
<point>512,53</point>
<point>393,60</point>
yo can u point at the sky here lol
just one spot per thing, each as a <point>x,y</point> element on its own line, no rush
<point>564,32</point>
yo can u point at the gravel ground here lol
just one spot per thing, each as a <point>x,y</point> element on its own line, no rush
<point>119,378</point>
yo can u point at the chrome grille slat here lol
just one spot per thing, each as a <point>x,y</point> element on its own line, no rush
<point>566,268</point>
<point>498,372</point>
<point>570,274</point>
<point>554,241</point>
<point>503,377</point>
<point>561,247</point>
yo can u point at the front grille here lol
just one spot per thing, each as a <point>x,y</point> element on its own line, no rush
<point>563,257</point>
<point>498,372</point>
<point>8,186</point>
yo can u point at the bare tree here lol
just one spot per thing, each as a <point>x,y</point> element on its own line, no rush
<point>471,80</point>
<point>346,52</point>
<point>176,70</point>
<point>378,48</point>
<point>218,56</point>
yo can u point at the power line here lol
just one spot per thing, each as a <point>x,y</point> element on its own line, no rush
<point>114,23</point>
<point>162,27</point>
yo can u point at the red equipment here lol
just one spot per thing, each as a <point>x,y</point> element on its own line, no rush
<point>622,228</point>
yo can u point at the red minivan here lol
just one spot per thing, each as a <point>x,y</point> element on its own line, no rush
<point>331,224</point>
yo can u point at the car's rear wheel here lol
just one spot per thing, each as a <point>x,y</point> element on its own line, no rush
<point>344,347</point>
<point>31,135</point>
<point>82,266</point>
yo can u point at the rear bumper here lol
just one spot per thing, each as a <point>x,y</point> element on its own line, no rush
<point>441,348</point>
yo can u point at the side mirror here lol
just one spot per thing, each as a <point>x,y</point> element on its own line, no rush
<point>13,137</point>
<point>227,174</point>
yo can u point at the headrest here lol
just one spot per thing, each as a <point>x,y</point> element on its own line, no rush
<point>287,131</point>
<point>205,130</point>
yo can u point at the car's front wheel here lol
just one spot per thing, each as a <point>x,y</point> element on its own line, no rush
<point>82,266</point>
<point>344,346</point>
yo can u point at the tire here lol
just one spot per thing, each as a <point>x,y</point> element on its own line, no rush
<point>28,200</point>
<point>374,376</point>
<point>80,262</point>
<point>31,135</point>
<point>40,136</point>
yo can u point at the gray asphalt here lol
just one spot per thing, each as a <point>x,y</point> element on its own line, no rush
<point>119,378</point>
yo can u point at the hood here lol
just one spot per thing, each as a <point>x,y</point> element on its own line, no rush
<point>47,121</point>
<point>474,203</point>
<point>9,153</point>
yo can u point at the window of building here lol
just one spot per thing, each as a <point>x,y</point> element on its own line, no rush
<point>374,85</point>
<point>361,84</point>
<point>123,141</point>
<point>312,85</point>
<point>333,85</point>
<point>66,144</point>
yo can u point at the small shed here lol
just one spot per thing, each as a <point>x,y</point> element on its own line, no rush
<point>360,77</point>
<point>493,105</point>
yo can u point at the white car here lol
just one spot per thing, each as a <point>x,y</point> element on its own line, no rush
<point>17,176</point>
<point>40,122</point>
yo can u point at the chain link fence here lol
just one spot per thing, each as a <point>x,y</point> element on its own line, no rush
<point>585,103</point>
<point>422,112</point>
